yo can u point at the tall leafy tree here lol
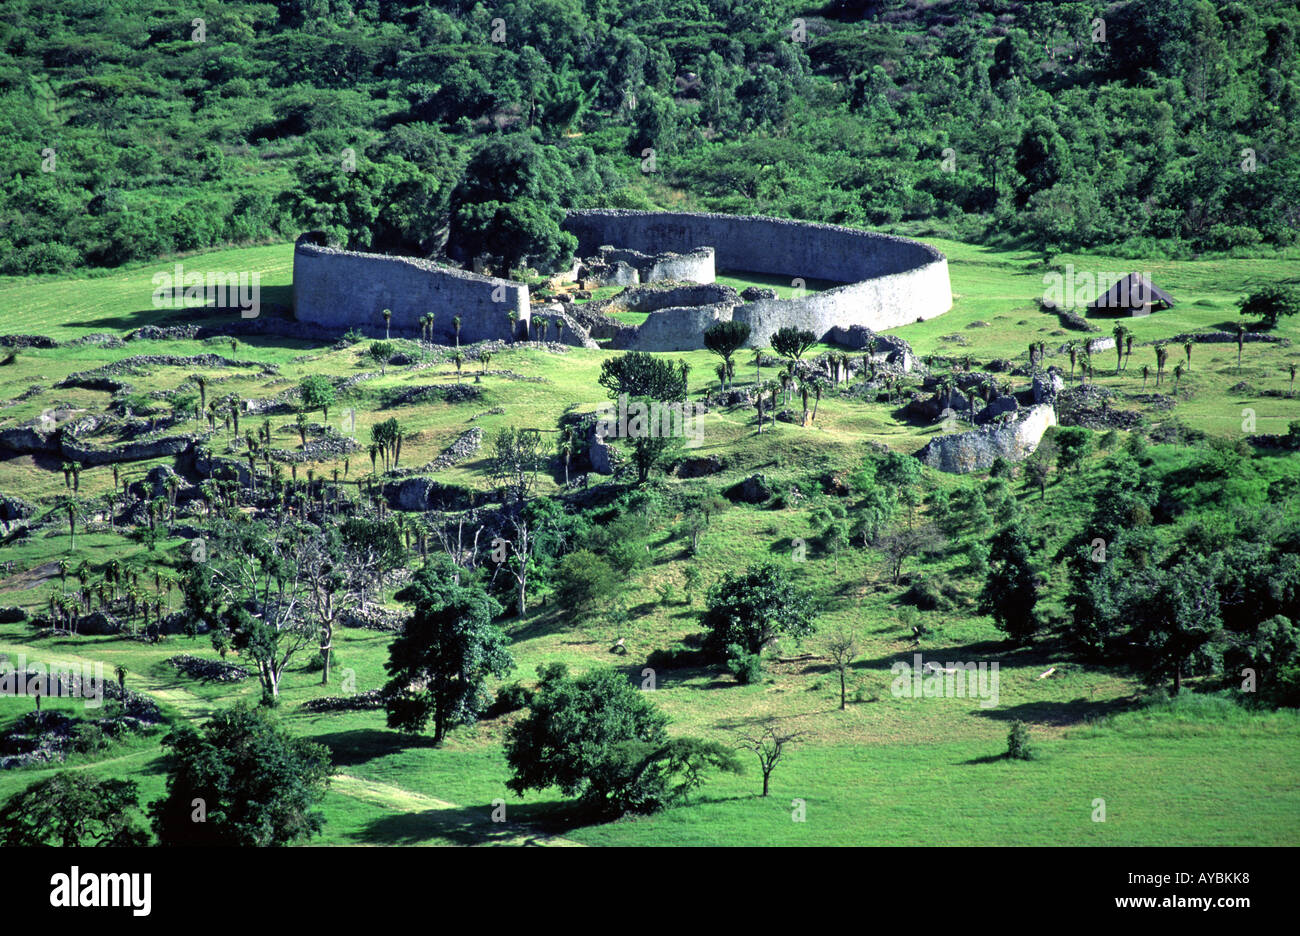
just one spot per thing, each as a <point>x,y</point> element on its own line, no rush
<point>1010,593</point>
<point>449,647</point>
<point>600,739</point>
<point>750,608</point>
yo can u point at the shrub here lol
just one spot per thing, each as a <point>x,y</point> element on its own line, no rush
<point>510,698</point>
<point>745,666</point>
<point>584,580</point>
<point>88,738</point>
<point>1018,742</point>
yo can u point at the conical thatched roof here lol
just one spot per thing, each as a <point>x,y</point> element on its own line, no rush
<point>1131,292</point>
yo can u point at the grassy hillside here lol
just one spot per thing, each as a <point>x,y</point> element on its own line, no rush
<point>1200,770</point>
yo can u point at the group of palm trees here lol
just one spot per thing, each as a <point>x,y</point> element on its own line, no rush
<point>1081,357</point>
<point>120,587</point>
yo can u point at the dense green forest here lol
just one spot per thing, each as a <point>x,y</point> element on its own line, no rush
<point>131,130</point>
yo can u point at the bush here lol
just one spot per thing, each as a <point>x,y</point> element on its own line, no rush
<point>745,666</point>
<point>931,593</point>
<point>510,698</point>
<point>1018,742</point>
<point>584,580</point>
<point>88,738</point>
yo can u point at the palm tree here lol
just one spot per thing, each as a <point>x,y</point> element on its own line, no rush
<point>1178,372</point>
<point>459,360</point>
<point>817,391</point>
<point>559,329</point>
<point>721,371</point>
<point>514,324</point>
<point>485,357</point>
<point>758,369</point>
<point>1073,348</point>
<point>1162,355</point>
<point>1119,332</point>
<point>1187,349</point>
<point>455,323</point>
<point>72,507</point>
<point>1146,370</point>
<point>1241,341</point>
<point>1293,378</point>
<point>544,325</point>
<point>302,428</point>
<point>388,320</point>
<point>203,391</point>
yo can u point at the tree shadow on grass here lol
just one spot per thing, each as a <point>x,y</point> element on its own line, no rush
<point>1060,714</point>
<point>528,824</point>
<point>987,759</point>
<point>349,748</point>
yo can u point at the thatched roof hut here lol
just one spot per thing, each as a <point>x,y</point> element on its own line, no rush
<point>1134,294</point>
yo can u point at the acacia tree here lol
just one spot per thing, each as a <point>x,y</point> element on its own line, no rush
<point>842,646</point>
<point>72,809</point>
<point>445,653</point>
<point>768,745</point>
<point>515,461</point>
<point>902,544</point>
<point>1270,303</point>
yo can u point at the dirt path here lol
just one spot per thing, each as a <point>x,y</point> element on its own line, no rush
<point>402,800</point>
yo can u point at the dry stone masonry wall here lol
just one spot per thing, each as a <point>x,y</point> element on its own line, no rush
<point>343,289</point>
<point>888,281</point>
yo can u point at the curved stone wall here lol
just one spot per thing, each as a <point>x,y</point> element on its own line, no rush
<point>343,289</point>
<point>889,281</point>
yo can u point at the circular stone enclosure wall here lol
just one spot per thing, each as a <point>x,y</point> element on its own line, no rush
<point>889,281</point>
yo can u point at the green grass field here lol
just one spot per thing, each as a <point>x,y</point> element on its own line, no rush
<point>887,770</point>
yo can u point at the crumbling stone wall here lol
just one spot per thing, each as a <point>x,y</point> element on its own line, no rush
<point>963,452</point>
<point>696,266</point>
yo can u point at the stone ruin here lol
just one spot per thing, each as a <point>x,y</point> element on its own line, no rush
<point>887,282</point>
